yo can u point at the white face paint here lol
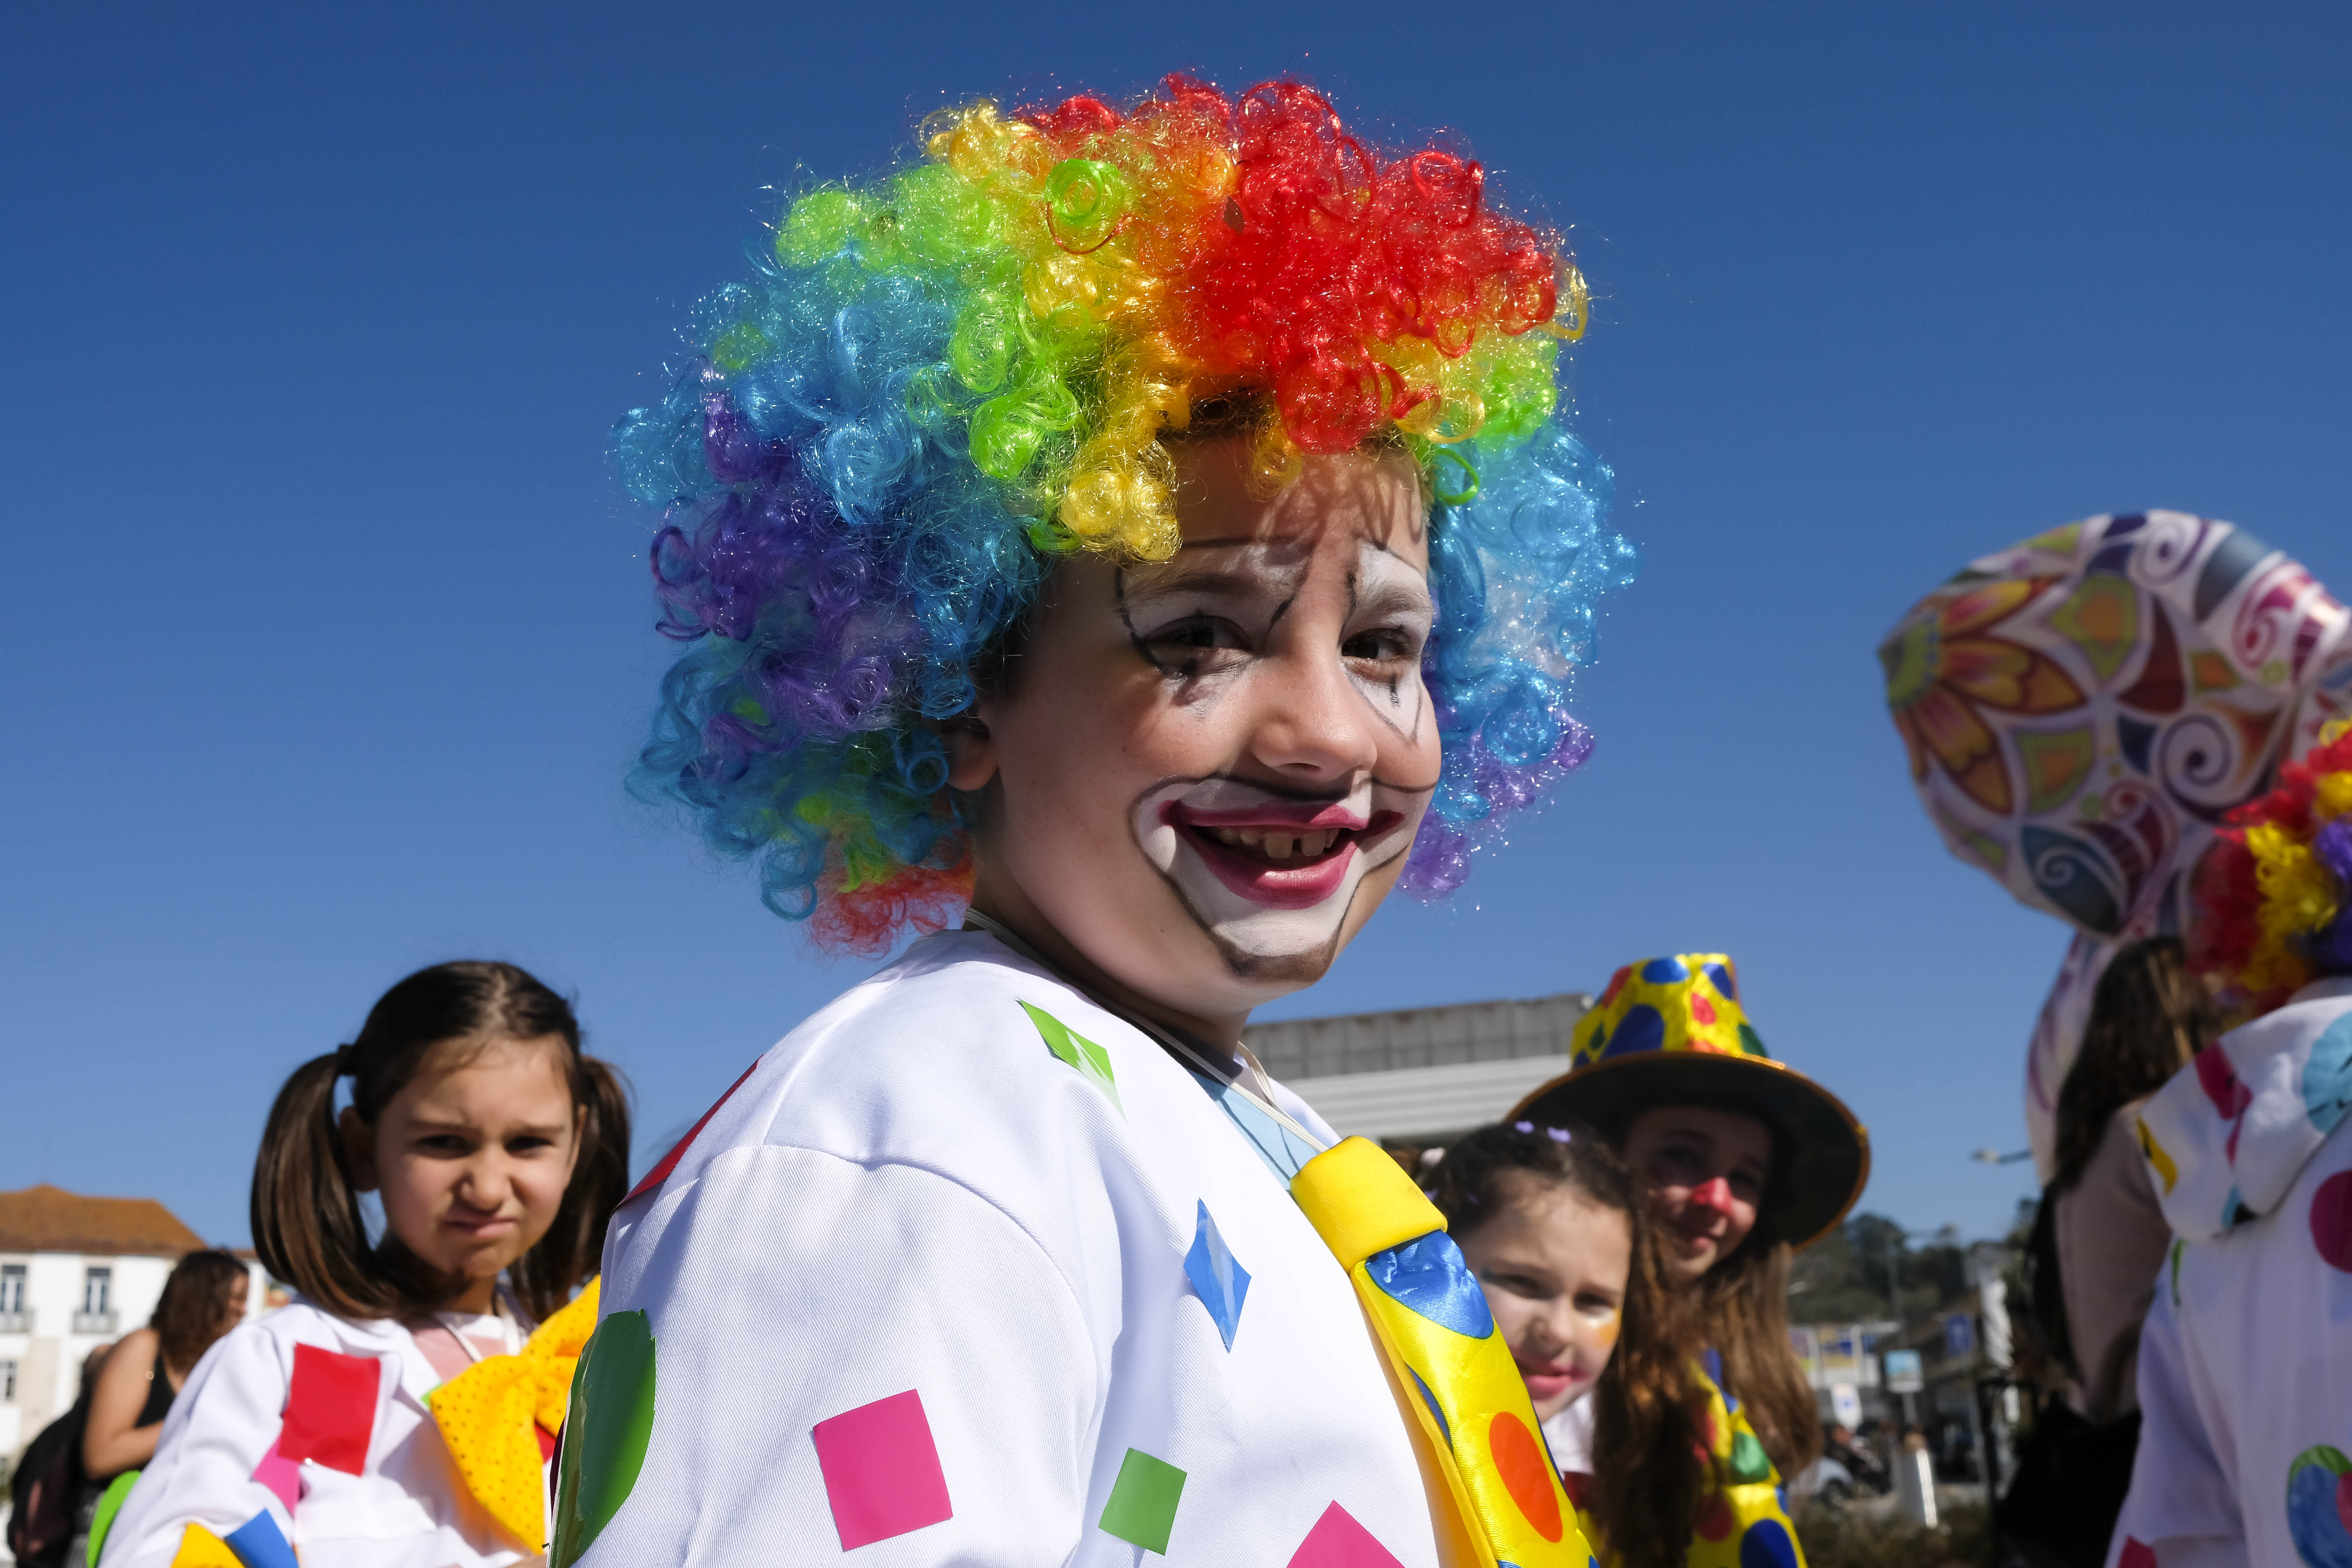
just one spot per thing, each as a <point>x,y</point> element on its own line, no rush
<point>1204,773</point>
<point>1270,875</point>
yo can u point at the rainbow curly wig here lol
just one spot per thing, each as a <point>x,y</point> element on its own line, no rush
<point>2275,895</point>
<point>936,384</point>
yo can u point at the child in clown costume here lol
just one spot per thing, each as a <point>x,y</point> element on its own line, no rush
<point>1742,1160</point>
<point>1146,527</point>
<point>2245,1368</point>
<point>399,1412</point>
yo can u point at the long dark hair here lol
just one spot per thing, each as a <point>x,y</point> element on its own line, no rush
<point>1740,1309</point>
<point>1743,1313</point>
<point>200,1301</point>
<point>307,1225</point>
<point>1646,1496</point>
<point>2149,1016</point>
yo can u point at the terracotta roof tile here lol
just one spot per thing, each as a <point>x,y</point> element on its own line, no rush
<point>50,1219</point>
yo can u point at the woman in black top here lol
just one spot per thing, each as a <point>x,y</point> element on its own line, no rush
<point>203,1299</point>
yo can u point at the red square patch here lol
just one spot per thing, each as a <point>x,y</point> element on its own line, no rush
<point>882,1473</point>
<point>330,1411</point>
<point>1339,1541</point>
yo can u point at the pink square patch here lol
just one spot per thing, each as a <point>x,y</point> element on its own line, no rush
<point>882,1473</point>
<point>1339,1541</point>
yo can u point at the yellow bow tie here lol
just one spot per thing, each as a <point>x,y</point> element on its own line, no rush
<point>491,1414</point>
<point>1454,1374</point>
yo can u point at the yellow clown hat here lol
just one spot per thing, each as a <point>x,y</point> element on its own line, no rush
<point>1670,1031</point>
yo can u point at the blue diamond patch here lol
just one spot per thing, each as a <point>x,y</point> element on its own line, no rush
<point>1220,1280</point>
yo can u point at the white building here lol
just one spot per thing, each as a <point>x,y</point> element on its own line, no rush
<point>1420,1075</point>
<point>75,1273</point>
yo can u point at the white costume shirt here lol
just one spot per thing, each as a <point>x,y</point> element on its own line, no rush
<point>406,1509</point>
<point>913,1194</point>
<point>2245,1361</point>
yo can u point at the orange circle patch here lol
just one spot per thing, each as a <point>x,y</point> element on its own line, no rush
<point>1520,1461</point>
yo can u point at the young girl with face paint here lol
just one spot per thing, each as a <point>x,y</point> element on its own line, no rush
<point>1084,536</point>
<point>1739,1160</point>
<point>1552,1226</point>
<point>392,1415</point>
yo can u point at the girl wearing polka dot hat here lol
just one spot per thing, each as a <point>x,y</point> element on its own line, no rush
<point>1742,1160</point>
<point>2245,1370</point>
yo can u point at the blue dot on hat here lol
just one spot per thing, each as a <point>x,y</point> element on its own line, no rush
<point>1644,1028</point>
<point>1723,981</point>
<point>1664,971</point>
<point>1766,1545</point>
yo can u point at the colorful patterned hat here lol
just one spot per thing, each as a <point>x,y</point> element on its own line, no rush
<point>1670,1031</point>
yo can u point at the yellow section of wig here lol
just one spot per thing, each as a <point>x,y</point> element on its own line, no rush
<point>2298,897</point>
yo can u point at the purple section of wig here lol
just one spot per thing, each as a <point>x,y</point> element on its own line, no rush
<point>2330,948</point>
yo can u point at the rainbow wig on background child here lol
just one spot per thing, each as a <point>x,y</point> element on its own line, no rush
<point>936,384</point>
<point>2274,895</point>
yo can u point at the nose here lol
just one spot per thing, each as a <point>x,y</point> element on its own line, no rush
<point>1714,1195</point>
<point>1313,725</point>
<point>485,1183</point>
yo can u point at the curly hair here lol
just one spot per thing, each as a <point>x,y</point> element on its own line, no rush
<point>2275,895</point>
<point>936,384</point>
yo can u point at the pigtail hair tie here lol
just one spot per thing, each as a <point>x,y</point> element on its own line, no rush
<point>343,1054</point>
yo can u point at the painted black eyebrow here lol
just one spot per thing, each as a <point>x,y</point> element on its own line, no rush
<point>1207,581</point>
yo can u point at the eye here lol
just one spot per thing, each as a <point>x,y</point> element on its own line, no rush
<point>1384,645</point>
<point>1517,1284</point>
<point>444,1143</point>
<point>1196,643</point>
<point>529,1144</point>
<point>1594,1304</point>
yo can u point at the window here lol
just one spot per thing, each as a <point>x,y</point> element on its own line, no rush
<point>97,1286</point>
<point>7,1382</point>
<point>11,1288</point>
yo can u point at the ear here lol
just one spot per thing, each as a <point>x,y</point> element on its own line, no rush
<point>358,1148</point>
<point>971,750</point>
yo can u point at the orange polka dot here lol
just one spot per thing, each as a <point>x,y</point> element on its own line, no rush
<point>1525,1473</point>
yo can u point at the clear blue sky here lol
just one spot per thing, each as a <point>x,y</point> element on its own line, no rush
<point>328,637</point>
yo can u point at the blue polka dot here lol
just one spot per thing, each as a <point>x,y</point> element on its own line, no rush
<point>1766,1545</point>
<point>1723,981</point>
<point>2327,1076</point>
<point>1664,971</point>
<point>1644,1028</point>
<point>1429,1277</point>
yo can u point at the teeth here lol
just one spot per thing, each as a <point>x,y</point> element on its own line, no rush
<point>1278,845</point>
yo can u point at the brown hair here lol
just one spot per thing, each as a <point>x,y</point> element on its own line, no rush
<point>2149,1016</point>
<point>307,1225</point>
<point>200,1301</point>
<point>1743,1315</point>
<point>1646,1498</point>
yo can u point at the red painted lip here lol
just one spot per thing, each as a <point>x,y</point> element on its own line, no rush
<point>1298,888</point>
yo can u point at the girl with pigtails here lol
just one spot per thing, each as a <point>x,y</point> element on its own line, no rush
<point>399,1411</point>
<point>1118,549</point>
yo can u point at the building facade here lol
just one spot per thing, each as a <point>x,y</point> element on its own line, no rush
<point>1418,1077</point>
<point>75,1273</point>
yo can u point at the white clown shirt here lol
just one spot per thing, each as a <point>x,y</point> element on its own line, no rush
<point>2245,1362</point>
<point>370,1484</point>
<point>968,1270</point>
